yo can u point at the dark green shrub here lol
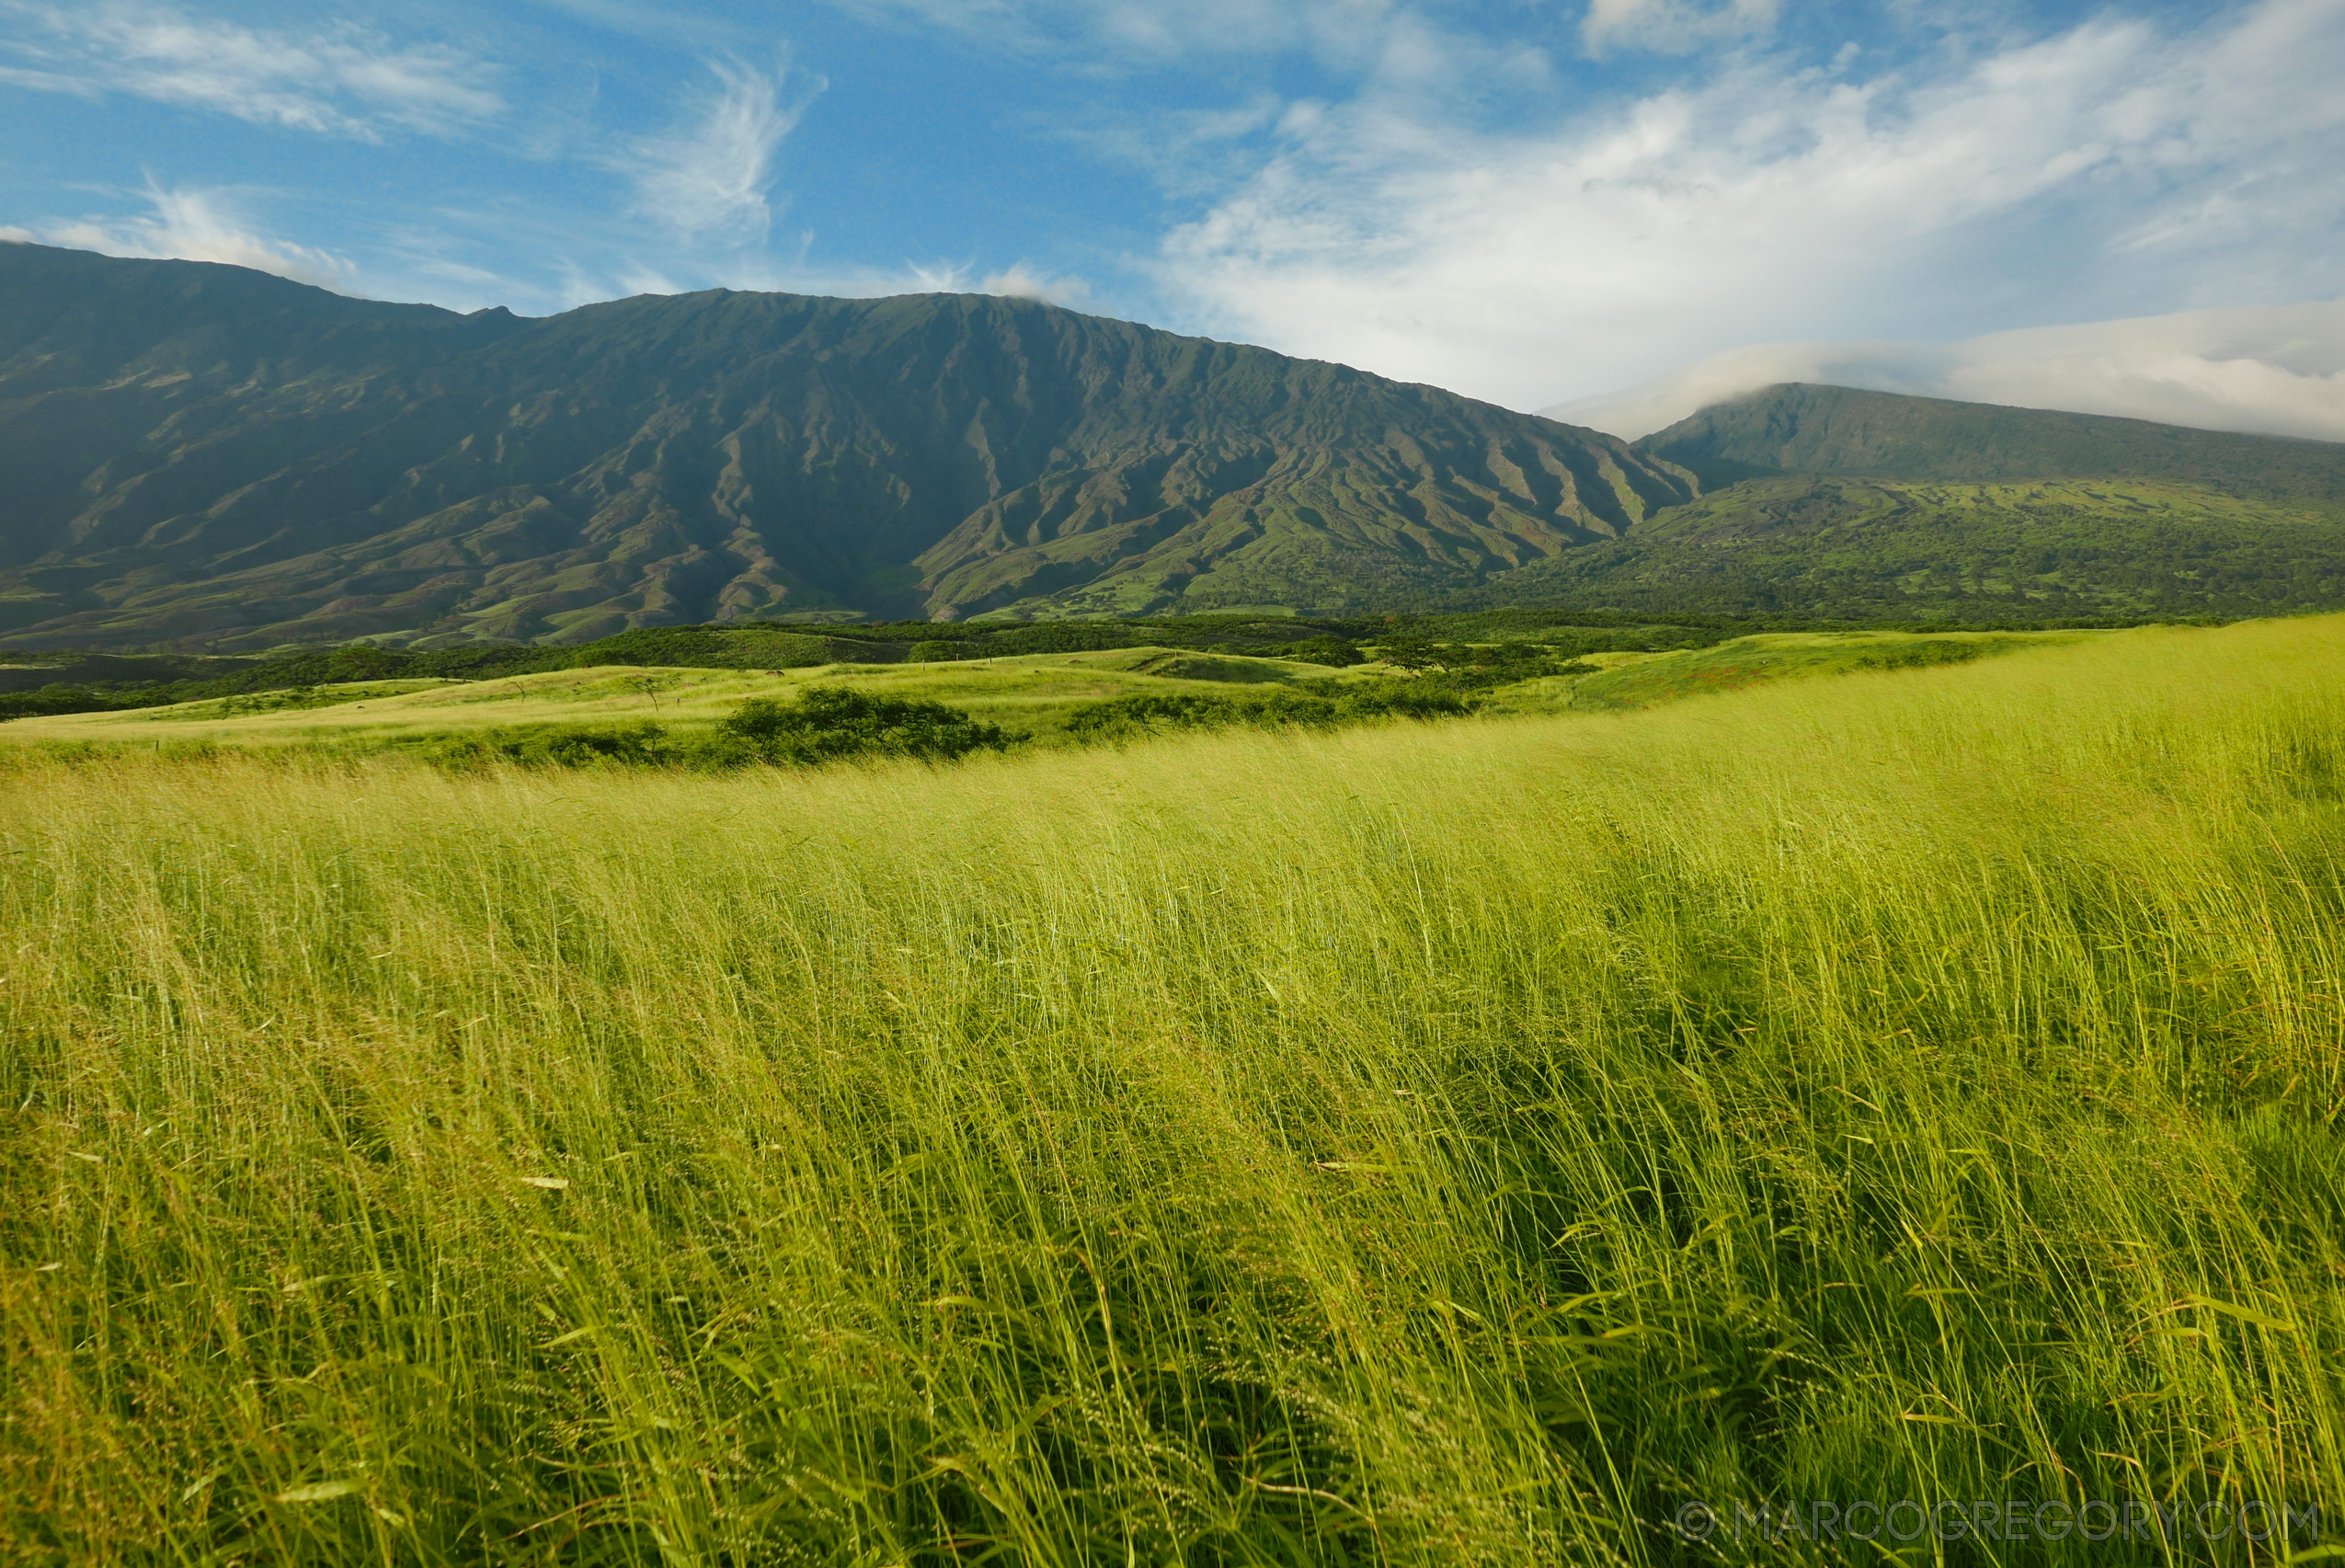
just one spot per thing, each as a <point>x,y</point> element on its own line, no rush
<point>1404,652</point>
<point>580,746</point>
<point>1336,653</point>
<point>827,724</point>
<point>1920,656</point>
<point>1405,699</point>
<point>831,722</point>
<point>1158,712</point>
<point>50,701</point>
<point>556,746</point>
<point>1146,712</point>
<point>1476,666</point>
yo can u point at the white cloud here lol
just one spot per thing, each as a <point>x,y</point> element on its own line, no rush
<point>939,277</point>
<point>1671,26</point>
<point>711,174</point>
<point>1022,281</point>
<point>1338,31</point>
<point>2114,165</point>
<point>1019,281</point>
<point>348,81</point>
<point>195,225</point>
<point>2275,369</point>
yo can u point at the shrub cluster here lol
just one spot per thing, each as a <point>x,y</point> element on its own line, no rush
<point>1336,653</point>
<point>1920,656</point>
<point>754,646</point>
<point>90,682</point>
<point>1478,666</point>
<point>827,724</point>
<point>1122,718</point>
<point>832,724</point>
<point>559,746</point>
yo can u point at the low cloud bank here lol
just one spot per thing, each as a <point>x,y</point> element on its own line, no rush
<point>2276,370</point>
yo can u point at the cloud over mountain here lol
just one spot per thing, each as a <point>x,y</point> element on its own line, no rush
<point>2276,370</point>
<point>194,226</point>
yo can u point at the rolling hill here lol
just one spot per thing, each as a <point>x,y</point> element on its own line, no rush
<point>1834,502</point>
<point>206,456</point>
<point>1836,547</point>
<point>1798,429</point>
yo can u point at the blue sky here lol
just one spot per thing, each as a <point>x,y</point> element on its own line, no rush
<point>1528,200</point>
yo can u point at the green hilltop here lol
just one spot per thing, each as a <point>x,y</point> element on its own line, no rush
<point>1834,502</point>
<point>1796,428</point>
<point>1871,549</point>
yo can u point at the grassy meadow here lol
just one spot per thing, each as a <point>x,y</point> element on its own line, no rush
<point>1031,697</point>
<point>1461,1143</point>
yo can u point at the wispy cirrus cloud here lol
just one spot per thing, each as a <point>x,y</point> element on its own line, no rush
<point>193,225</point>
<point>1106,33</point>
<point>712,173</point>
<point>343,82</point>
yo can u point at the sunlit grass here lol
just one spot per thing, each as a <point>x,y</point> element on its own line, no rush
<point>1028,695</point>
<point>1418,1144</point>
<point>1639,681</point>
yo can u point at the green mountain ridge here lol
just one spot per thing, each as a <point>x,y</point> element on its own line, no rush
<point>1796,428</point>
<point>1875,549</point>
<point>1837,502</point>
<point>206,456</point>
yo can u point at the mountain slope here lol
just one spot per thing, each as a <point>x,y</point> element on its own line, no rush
<point>1832,501</point>
<point>203,454</point>
<point>1795,427</point>
<point>1844,547</point>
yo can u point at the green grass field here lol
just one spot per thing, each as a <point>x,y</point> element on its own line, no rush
<point>1641,681</point>
<point>1030,696</point>
<point>1461,1143</point>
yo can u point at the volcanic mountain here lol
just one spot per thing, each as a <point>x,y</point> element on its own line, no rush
<point>202,455</point>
